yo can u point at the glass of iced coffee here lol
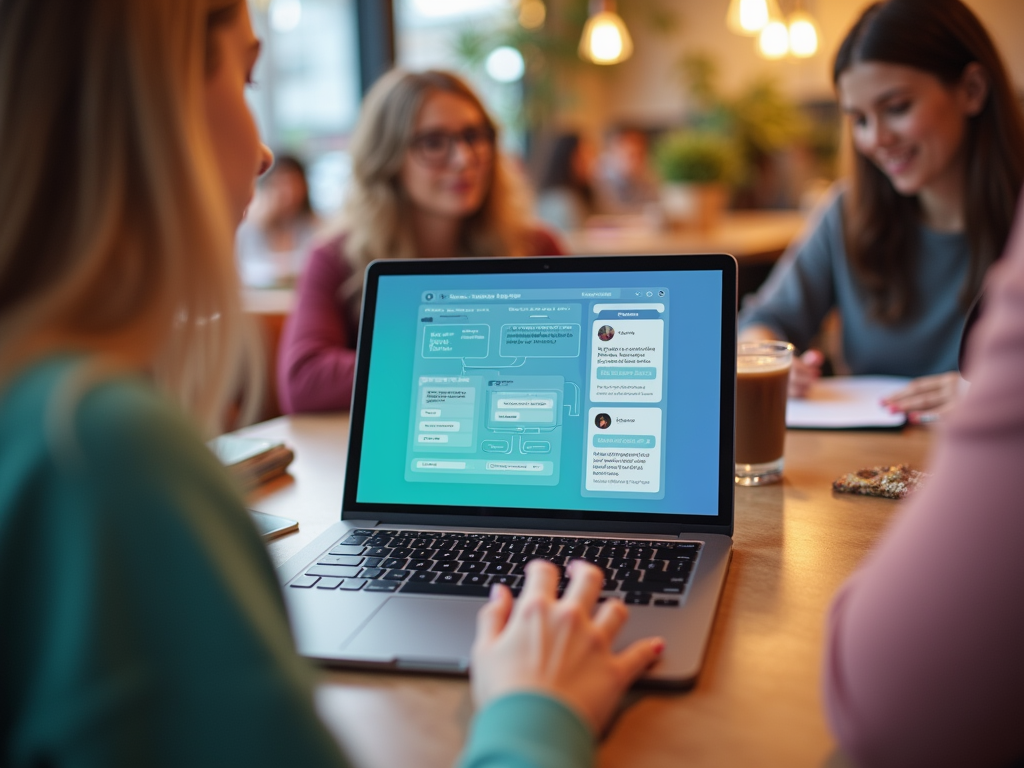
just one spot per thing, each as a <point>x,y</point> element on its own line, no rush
<point>762,380</point>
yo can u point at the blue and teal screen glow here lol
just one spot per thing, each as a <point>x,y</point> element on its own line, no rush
<point>581,391</point>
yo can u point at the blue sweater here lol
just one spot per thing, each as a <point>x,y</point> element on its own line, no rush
<point>815,275</point>
<point>141,622</point>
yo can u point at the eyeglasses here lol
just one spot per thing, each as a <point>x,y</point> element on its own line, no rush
<point>435,148</point>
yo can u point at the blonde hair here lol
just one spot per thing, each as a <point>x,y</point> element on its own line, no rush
<point>117,239</point>
<point>375,215</point>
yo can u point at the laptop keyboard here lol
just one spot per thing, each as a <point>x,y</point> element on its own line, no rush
<point>641,572</point>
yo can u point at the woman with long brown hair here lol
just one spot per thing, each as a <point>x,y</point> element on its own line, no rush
<point>902,249</point>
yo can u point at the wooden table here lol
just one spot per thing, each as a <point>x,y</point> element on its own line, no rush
<point>750,236</point>
<point>757,702</point>
<point>755,238</point>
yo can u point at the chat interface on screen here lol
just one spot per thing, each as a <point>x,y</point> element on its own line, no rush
<point>501,393</point>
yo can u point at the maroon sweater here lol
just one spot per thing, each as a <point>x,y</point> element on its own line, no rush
<point>317,356</point>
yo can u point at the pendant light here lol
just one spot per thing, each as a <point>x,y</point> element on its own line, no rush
<point>605,37</point>
<point>777,36</point>
<point>748,17</point>
<point>803,34</point>
<point>773,41</point>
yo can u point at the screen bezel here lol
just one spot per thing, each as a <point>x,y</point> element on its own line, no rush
<point>549,519</point>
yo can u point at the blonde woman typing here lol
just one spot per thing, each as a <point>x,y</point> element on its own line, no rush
<point>142,620</point>
<point>427,182</point>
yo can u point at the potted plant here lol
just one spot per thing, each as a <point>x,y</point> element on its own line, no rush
<point>696,169</point>
<point>763,123</point>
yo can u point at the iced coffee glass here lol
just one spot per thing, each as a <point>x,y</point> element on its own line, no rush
<point>762,380</point>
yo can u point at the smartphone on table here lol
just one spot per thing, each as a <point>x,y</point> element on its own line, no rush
<point>272,526</point>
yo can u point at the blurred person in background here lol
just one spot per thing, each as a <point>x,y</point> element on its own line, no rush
<point>127,123</point>
<point>427,181</point>
<point>565,196</point>
<point>273,240</point>
<point>902,249</point>
<point>625,183</point>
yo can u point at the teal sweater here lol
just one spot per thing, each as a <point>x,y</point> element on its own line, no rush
<point>141,622</point>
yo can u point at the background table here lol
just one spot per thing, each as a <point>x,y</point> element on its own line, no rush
<point>748,235</point>
<point>757,701</point>
<point>755,238</point>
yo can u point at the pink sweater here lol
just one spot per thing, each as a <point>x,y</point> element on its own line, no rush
<point>317,356</point>
<point>925,655</point>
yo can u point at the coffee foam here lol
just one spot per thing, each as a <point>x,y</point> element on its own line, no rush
<point>761,364</point>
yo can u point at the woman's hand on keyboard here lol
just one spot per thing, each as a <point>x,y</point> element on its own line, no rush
<point>559,647</point>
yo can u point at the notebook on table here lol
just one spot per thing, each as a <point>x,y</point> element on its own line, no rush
<point>509,409</point>
<point>847,402</point>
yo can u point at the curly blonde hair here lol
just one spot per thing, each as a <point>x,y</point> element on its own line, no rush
<point>375,213</point>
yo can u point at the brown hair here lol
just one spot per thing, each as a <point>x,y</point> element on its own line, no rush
<point>941,37</point>
<point>373,218</point>
<point>116,242</point>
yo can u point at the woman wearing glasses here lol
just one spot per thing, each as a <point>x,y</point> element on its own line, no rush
<point>427,182</point>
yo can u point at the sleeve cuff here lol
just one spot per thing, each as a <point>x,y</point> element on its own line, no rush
<point>528,730</point>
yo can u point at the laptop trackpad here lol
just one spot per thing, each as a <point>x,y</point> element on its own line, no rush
<point>420,633</point>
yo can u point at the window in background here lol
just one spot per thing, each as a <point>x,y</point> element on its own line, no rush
<point>307,95</point>
<point>447,35</point>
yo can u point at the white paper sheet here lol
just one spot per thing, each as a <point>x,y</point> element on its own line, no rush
<point>846,402</point>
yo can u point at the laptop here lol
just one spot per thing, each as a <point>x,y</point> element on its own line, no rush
<point>509,409</point>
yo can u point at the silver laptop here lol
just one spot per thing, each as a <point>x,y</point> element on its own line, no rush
<point>510,409</point>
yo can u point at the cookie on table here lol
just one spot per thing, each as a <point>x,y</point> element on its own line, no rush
<point>893,482</point>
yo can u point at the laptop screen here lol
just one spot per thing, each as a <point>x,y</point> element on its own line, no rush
<point>589,389</point>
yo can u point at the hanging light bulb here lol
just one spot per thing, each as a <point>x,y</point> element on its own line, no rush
<point>773,43</point>
<point>748,17</point>
<point>803,35</point>
<point>605,37</point>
